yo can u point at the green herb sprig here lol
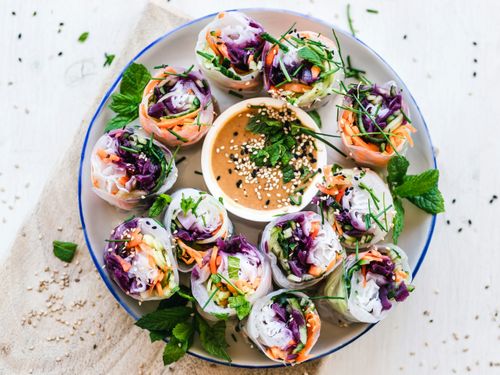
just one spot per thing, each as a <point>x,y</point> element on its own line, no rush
<point>126,103</point>
<point>421,190</point>
<point>180,322</point>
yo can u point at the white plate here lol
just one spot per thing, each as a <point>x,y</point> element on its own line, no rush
<point>177,48</point>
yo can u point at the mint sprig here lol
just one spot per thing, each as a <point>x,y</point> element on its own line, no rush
<point>126,102</point>
<point>179,322</point>
<point>421,190</point>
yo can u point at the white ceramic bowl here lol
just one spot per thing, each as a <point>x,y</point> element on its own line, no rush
<point>213,185</point>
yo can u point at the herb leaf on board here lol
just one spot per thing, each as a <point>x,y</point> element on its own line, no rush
<point>64,250</point>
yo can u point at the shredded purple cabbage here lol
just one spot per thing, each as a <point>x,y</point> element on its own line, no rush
<point>144,171</point>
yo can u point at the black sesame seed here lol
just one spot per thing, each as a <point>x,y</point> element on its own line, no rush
<point>474,74</point>
<point>19,36</point>
<point>218,178</point>
<point>459,230</point>
<point>34,13</point>
<point>239,183</point>
<point>148,223</point>
<point>405,36</point>
<point>267,202</point>
<point>61,23</point>
<point>13,13</point>
<point>154,227</point>
<point>495,197</point>
<point>313,160</point>
<point>448,222</point>
<point>469,221</point>
<point>180,160</point>
<point>474,43</point>
<point>453,201</point>
<point>235,134</point>
<point>254,173</point>
<point>59,54</point>
<point>198,172</point>
<point>230,171</point>
<point>19,59</point>
<point>475,60</point>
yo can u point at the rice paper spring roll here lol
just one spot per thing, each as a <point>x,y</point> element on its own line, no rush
<point>302,69</point>
<point>378,123</point>
<point>228,51</point>
<point>139,259</point>
<point>367,286</point>
<point>128,168</point>
<point>284,325</point>
<point>357,203</point>
<point>231,277</point>
<point>195,221</point>
<point>302,249</point>
<point>177,106</point>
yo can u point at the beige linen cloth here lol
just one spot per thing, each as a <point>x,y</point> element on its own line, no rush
<point>57,318</point>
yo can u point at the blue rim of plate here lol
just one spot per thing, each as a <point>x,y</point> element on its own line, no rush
<point>104,275</point>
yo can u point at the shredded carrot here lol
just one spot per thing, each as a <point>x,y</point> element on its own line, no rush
<point>315,71</point>
<point>102,153</point>
<point>299,88</point>
<point>315,270</point>
<point>270,56</point>
<point>213,256</point>
<point>194,255</point>
<point>136,238</point>
<point>276,352</point>
<point>315,227</point>
<point>313,325</point>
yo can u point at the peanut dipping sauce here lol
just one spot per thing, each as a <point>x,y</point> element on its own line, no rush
<point>255,187</point>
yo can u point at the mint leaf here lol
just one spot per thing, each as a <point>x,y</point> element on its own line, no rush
<point>125,104</point>
<point>399,220</point>
<point>316,117</point>
<point>431,202</point>
<point>159,205</point>
<point>64,250</point>
<point>174,350</point>
<point>418,184</point>
<point>119,122</point>
<point>157,335</point>
<point>221,316</point>
<point>164,320</point>
<point>183,331</point>
<point>185,293</point>
<point>108,59</point>
<point>134,79</point>
<point>241,305</point>
<point>308,54</point>
<point>396,170</point>
<point>83,37</point>
<point>213,338</point>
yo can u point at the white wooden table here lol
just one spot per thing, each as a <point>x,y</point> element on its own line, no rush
<point>447,53</point>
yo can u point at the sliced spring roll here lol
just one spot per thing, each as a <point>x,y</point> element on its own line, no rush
<point>195,221</point>
<point>378,123</point>
<point>303,69</point>
<point>367,285</point>
<point>177,106</point>
<point>231,277</point>
<point>228,52</point>
<point>302,249</point>
<point>284,325</point>
<point>128,168</point>
<point>139,259</point>
<point>358,205</point>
